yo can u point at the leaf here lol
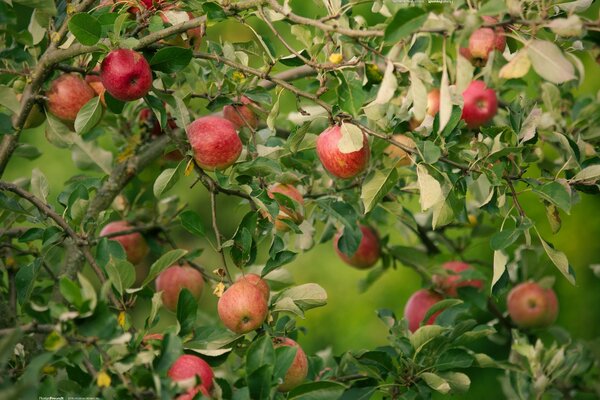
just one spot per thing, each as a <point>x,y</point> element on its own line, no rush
<point>307,296</point>
<point>439,306</point>
<point>284,357</point>
<point>590,173</point>
<point>517,67</point>
<point>458,381</point>
<point>121,274</point>
<point>352,139</point>
<point>424,335</point>
<point>418,92</point>
<point>549,62</point>
<point>187,307</point>
<point>567,27</point>
<point>405,22</point>
<point>321,390</point>
<point>260,352</point>
<point>500,260</point>
<point>503,239</point>
<point>85,28</point>
<point>259,383</point>
<point>445,111</point>
<point>9,100</point>
<point>88,116</point>
<point>388,85</point>
<point>171,59</point>
<point>192,222</point>
<point>530,124</point>
<point>559,259</point>
<point>165,261</point>
<point>377,185</point>
<point>430,189</point>
<point>435,382</point>
<point>39,185</point>
<point>281,258</point>
<point>25,279</point>
<point>351,95</point>
<point>555,193</point>
<point>166,180</point>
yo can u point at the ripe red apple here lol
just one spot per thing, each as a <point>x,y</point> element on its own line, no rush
<point>96,84</point>
<point>399,154</point>
<point>286,213</point>
<point>297,372</point>
<point>368,250</point>
<point>451,282</point>
<point>241,115</point>
<point>215,142</point>
<point>500,44</point>
<point>243,308</point>
<point>417,306</point>
<point>260,283</point>
<point>175,278</point>
<point>67,94</point>
<point>341,165</point>
<point>484,40</point>
<point>480,104</point>
<point>189,366</point>
<point>532,306</point>
<point>433,107</point>
<point>126,75</point>
<point>134,244</point>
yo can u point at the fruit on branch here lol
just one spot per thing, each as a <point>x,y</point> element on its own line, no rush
<point>67,94</point>
<point>150,123</point>
<point>287,212</point>
<point>483,41</point>
<point>126,75</point>
<point>260,283</point>
<point>174,279</point>
<point>451,282</point>
<point>241,115</point>
<point>243,308</point>
<point>368,250</point>
<point>401,156</point>
<point>189,366</point>
<point>417,306</point>
<point>297,372</point>
<point>215,142</point>
<point>480,104</point>
<point>336,58</point>
<point>339,164</point>
<point>532,306</point>
<point>96,84</point>
<point>134,243</point>
<point>433,107</point>
<point>36,115</point>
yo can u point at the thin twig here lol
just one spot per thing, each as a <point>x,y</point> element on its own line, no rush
<point>213,208</point>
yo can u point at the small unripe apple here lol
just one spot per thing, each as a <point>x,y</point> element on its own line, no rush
<point>297,372</point>
<point>241,115</point>
<point>126,75</point>
<point>451,282</point>
<point>336,58</point>
<point>417,306</point>
<point>67,94</point>
<point>532,306</point>
<point>368,250</point>
<point>260,283</point>
<point>401,157</point>
<point>243,308</point>
<point>215,142</point>
<point>174,279</point>
<point>341,165</point>
<point>96,84</point>
<point>35,117</point>
<point>480,104</point>
<point>285,213</point>
<point>134,243</point>
<point>189,366</point>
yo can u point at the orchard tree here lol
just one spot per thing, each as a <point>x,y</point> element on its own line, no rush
<point>339,121</point>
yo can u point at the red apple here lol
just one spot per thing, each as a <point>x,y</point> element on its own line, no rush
<point>134,244</point>
<point>397,153</point>
<point>297,372</point>
<point>96,84</point>
<point>260,283</point>
<point>241,115</point>
<point>368,250</point>
<point>126,75</point>
<point>480,104</point>
<point>67,94</point>
<point>500,43</point>
<point>532,306</point>
<point>243,308</point>
<point>341,165</point>
<point>175,278</point>
<point>484,40</point>
<point>451,282</point>
<point>286,213</point>
<point>215,142</point>
<point>417,306</point>
<point>189,366</point>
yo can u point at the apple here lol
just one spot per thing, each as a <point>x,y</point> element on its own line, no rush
<point>215,142</point>
<point>260,283</point>
<point>175,278</point>
<point>188,366</point>
<point>243,308</point>
<point>67,94</point>
<point>96,84</point>
<point>286,213</point>
<point>480,104</point>
<point>126,75</point>
<point>433,107</point>
<point>484,40</point>
<point>297,372</point>
<point>397,153</point>
<point>368,250</point>
<point>532,306</point>
<point>451,282</point>
<point>341,165</point>
<point>134,243</point>
<point>35,117</point>
<point>417,306</point>
<point>241,115</point>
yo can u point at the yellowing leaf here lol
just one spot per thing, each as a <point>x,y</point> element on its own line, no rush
<point>219,289</point>
<point>103,379</point>
<point>352,138</point>
<point>517,67</point>
<point>121,319</point>
<point>431,191</point>
<point>388,85</point>
<point>189,167</point>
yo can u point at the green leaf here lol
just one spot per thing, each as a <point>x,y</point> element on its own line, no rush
<point>39,185</point>
<point>500,260</point>
<point>70,291</point>
<point>405,22</point>
<point>171,349</point>
<point>25,279</point>
<point>261,166</point>
<point>430,189</point>
<point>351,95</point>
<point>435,382</point>
<point>458,381</point>
<point>353,138</point>
<point>166,180</point>
<point>187,307</point>
<point>163,263</point>
<point>431,152</point>
<point>441,305</point>
<point>590,173</point>
<point>321,390</point>
<point>88,116</point>
<point>284,357</point>
<point>260,353</point>
<point>307,296</point>
<point>281,258</point>
<point>424,335</point>
<point>9,100</point>
<point>171,59</point>
<point>505,238</point>
<point>377,185</point>
<point>559,259</point>
<point>555,193</point>
<point>452,359</point>
<point>192,222</point>
<point>259,383</point>
<point>549,62</point>
<point>293,60</point>
<point>121,274</point>
<point>85,28</point>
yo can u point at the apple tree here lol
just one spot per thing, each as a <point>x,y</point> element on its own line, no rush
<point>335,121</point>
